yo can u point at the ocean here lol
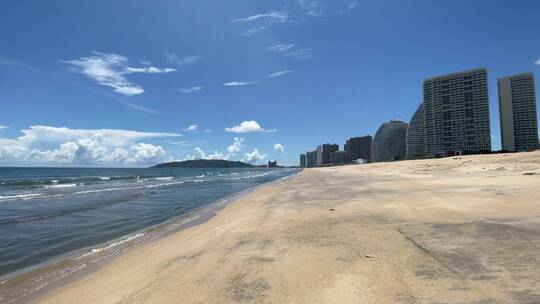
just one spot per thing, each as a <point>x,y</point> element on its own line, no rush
<point>50,213</point>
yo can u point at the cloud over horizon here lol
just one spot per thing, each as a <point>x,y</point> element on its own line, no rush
<point>46,145</point>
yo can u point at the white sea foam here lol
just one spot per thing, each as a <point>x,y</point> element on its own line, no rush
<point>63,185</point>
<point>105,178</point>
<point>164,178</point>
<point>19,196</point>
<point>115,244</point>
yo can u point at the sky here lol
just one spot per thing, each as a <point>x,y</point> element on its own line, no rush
<point>134,83</point>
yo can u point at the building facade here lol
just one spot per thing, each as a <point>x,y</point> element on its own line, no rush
<point>517,113</point>
<point>359,148</point>
<point>389,141</point>
<point>323,153</point>
<point>415,137</point>
<point>302,160</point>
<point>311,159</point>
<point>337,157</point>
<point>456,114</point>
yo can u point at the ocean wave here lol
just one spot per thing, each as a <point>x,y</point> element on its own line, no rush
<point>112,245</point>
<point>64,185</point>
<point>19,196</point>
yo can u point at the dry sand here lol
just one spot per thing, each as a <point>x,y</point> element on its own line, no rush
<point>455,230</point>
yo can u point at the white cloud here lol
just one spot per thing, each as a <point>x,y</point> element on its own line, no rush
<point>236,146</point>
<point>200,154</point>
<point>238,83</point>
<point>248,126</point>
<point>191,128</point>
<point>191,90</point>
<point>182,61</point>
<point>279,147</point>
<point>281,73</point>
<point>270,17</point>
<point>537,62</point>
<point>253,157</point>
<point>291,50</point>
<point>2,127</point>
<point>45,145</point>
<point>111,70</point>
<point>260,22</point>
<point>281,48</point>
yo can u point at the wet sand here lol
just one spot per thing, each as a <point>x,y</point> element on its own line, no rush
<point>454,230</point>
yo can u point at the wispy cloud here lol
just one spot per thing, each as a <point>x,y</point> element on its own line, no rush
<point>353,5</point>
<point>111,70</point>
<point>281,48</point>
<point>310,7</point>
<point>281,73</point>
<point>191,128</point>
<point>69,81</point>
<point>291,50</point>
<point>196,89</point>
<point>182,61</point>
<point>271,17</point>
<point>248,126</point>
<point>238,83</point>
<point>259,22</point>
<point>350,7</point>
<point>537,62</point>
<point>2,127</point>
<point>137,107</point>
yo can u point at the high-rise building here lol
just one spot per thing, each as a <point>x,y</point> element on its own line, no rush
<point>323,153</point>
<point>456,113</point>
<point>311,159</point>
<point>517,110</point>
<point>389,141</point>
<point>415,138</point>
<point>337,157</point>
<point>359,148</point>
<point>272,164</point>
<point>302,160</point>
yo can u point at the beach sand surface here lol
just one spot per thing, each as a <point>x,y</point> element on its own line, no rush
<point>453,230</point>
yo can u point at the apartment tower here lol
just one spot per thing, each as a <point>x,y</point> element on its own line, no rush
<point>456,114</point>
<point>517,112</point>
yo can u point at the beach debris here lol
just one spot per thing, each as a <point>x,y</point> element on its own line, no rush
<point>332,209</point>
<point>529,173</point>
<point>369,256</point>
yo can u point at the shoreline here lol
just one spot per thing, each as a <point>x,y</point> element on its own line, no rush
<point>74,265</point>
<point>456,230</point>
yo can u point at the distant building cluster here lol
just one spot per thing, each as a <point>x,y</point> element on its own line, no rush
<point>453,119</point>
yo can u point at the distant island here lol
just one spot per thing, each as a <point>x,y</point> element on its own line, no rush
<point>205,163</point>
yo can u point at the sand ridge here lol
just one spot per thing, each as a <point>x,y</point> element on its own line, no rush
<point>453,230</point>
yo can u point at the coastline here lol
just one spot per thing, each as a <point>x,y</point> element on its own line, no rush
<point>456,230</point>
<point>30,283</point>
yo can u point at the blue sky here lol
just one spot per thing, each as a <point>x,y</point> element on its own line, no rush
<point>120,83</point>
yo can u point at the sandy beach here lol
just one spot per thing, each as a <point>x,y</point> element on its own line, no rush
<point>454,230</point>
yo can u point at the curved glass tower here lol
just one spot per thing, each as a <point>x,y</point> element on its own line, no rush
<point>389,142</point>
<point>415,139</point>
